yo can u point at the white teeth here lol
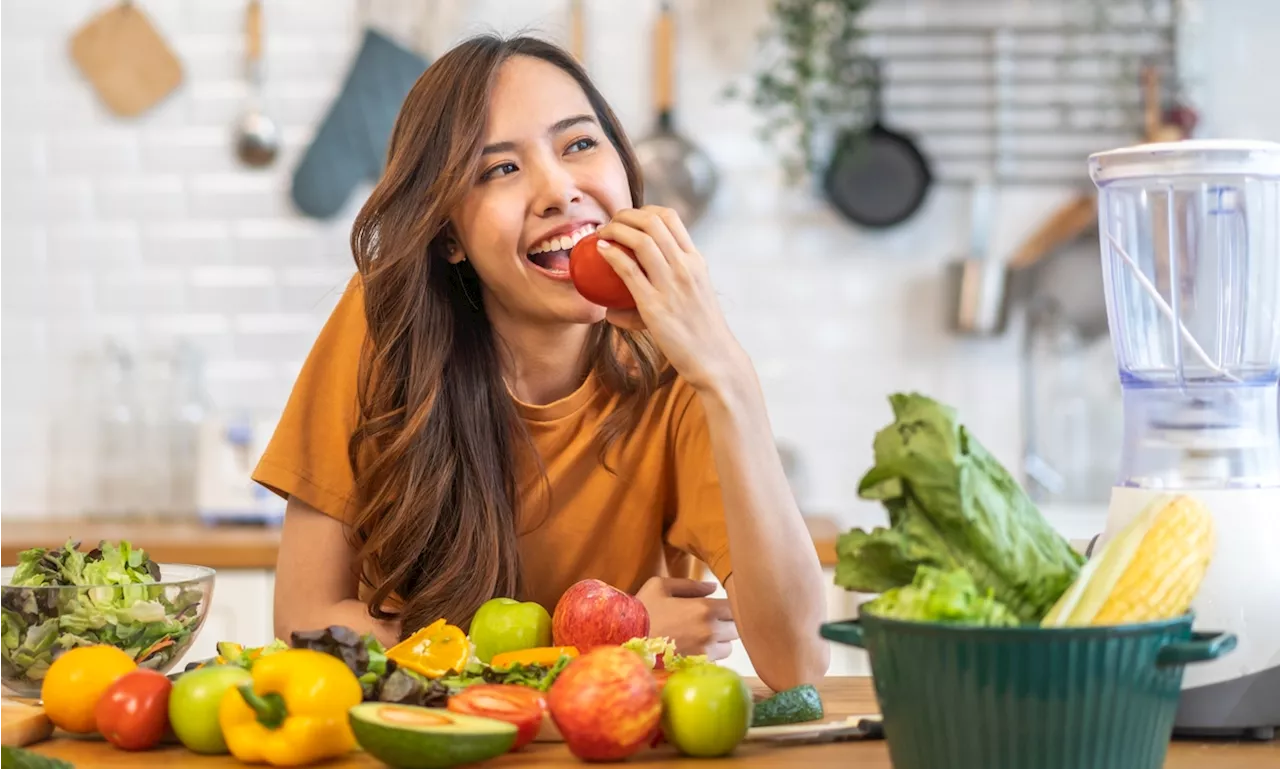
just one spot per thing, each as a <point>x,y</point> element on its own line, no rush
<point>563,242</point>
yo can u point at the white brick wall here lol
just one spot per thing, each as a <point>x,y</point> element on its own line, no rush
<point>148,230</point>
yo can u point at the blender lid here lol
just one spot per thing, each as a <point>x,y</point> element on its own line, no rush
<point>1235,157</point>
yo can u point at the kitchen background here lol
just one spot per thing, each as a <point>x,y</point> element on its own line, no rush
<point>159,296</point>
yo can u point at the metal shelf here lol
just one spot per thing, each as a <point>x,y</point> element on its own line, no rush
<point>1022,103</point>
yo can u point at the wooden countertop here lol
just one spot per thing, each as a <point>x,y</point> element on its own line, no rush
<point>225,547</point>
<point>218,547</point>
<point>842,697</point>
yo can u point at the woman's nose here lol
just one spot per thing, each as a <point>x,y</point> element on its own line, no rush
<point>557,189</point>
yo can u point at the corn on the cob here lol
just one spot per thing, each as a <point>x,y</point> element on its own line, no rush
<point>1167,568</point>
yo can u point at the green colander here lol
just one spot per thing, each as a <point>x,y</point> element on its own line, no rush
<point>957,697</point>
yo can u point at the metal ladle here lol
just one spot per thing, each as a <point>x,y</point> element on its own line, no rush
<point>257,137</point>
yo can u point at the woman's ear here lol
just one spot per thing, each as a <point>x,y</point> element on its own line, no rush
<point>454,252</point>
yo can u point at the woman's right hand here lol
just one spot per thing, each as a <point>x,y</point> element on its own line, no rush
<point>680,609</point>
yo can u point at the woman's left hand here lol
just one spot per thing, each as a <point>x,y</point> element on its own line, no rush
<point>673,293</point>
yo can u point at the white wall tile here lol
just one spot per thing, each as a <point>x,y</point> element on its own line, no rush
<point>193,150</point>
<point>147,198</point>
<point>231,290</point>
<point>186,243</point>
<point>22,155</point>
<point>145,291</point>
<point>280,243</point>
<point>48,199</point>
<point>103,151</point>
<point>97,245</point>
<point>237,195</point>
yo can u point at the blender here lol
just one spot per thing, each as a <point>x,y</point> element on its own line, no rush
<point>1190,237</point>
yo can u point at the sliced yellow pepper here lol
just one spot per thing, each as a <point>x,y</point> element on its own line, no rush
<point>294,712</point>
<point>434,651</point>
<point>543,655</point>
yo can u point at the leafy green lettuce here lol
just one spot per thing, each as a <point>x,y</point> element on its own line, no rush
<point>942,596</point>
<point>951,506</point>
<point>110,597</point>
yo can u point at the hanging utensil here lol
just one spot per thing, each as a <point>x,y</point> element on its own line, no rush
<point>257,137</point>
<point>126,61</point>
<point>879,178</point>
<point>350,145</point>
<point>677,174</point>
<point>977,281</point>
<point>576,30</point>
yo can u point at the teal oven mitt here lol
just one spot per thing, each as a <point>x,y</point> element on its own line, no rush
<point>351,145</point>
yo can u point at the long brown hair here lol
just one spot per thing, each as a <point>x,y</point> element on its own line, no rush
<point>435,444</point>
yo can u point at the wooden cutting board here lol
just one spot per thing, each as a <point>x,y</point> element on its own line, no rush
<point>125,59</point>
<point>23,723</point>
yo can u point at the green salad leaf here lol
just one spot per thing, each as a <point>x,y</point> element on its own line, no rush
<point>117,603</point>
<point>651,649</point>
<point>951,505</point>
<point>538,677</point>
<point>942,596</point>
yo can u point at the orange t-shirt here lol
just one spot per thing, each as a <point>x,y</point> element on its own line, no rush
<point>658,511</point>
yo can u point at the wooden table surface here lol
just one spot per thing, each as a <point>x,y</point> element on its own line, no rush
<point>842,697</point>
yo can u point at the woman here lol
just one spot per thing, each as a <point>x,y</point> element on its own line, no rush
<point>468,426</point>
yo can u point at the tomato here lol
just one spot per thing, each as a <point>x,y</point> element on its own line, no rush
<point>77,680</point>
<point>595,279</point>
<point>512,703</point>
<point>661,677</point>
<point>134,712</point>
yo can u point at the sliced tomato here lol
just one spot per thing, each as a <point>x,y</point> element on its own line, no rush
<point>514,704</point>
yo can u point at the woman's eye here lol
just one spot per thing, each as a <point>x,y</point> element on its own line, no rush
<point>502,169</point>
<point>585,143</point>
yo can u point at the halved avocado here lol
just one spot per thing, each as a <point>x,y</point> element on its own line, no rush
<point>410,737</point>
<point>229,652</point>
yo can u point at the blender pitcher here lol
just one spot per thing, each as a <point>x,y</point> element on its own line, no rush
<point>1190,239</point>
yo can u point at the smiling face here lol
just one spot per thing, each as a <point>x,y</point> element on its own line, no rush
<point>549,176</point>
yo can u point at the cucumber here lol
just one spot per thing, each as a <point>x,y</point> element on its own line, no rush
<point>792,706</point>
<point>18,758</point>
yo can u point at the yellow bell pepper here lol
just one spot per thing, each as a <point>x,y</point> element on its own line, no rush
<point>294,712</point>
<point>433,651</point>
<point>542,655</point>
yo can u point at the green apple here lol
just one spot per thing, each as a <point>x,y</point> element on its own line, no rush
<point>194,703</point>
<point>706,711</point>
<point>507,625</point>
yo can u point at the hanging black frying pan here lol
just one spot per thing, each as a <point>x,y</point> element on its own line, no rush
<point>877,178</point>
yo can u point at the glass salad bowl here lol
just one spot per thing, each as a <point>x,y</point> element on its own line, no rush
<point>152,612</point>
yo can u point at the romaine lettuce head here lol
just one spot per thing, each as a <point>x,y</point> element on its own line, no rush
<point>951,505</point>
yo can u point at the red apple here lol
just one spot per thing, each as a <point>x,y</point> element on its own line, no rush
<point>592,614</point>
<point>606,704</point>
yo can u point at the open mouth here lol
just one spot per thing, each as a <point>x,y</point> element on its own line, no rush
<point>552,254</point>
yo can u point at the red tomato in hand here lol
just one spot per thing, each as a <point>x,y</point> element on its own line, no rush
<point>514,704</point>
<point>133,713</point>
<point>595,279</point>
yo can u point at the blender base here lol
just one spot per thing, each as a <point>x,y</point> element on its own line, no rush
<point>1237,695</point>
